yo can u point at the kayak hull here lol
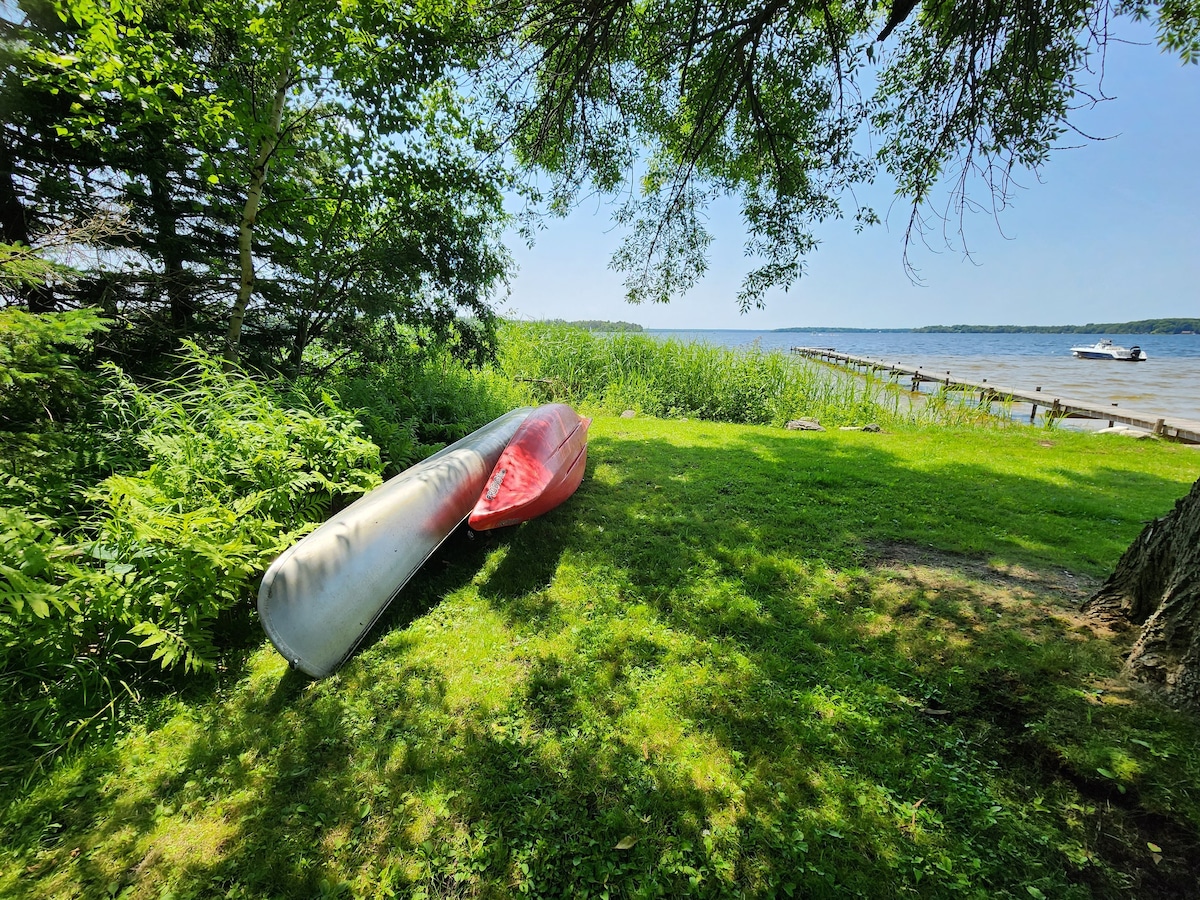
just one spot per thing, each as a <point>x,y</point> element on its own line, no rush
<point>321,596</point>
<point>540,468</point>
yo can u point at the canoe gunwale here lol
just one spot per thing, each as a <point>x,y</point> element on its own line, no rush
<point>511,504</point>
<point>324,594</point>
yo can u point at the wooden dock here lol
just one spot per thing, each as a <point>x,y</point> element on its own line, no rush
<point>1054,407</point>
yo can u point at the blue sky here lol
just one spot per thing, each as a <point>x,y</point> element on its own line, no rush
<point>1111,234</point>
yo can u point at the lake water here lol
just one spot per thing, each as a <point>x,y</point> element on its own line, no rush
<point>1166,384</point>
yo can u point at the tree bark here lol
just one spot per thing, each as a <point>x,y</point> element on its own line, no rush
<point>258,178</point>
<point>14,229</point>
<point>170,246</point>
<point>1156,585</point>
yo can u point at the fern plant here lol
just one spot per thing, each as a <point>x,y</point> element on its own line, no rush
<point>236,473</point>
<point>133,533</point>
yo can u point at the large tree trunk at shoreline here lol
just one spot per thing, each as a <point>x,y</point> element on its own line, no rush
<point>1156,585</point>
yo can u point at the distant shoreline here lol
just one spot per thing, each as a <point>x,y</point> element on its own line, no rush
<point>1142,326</point>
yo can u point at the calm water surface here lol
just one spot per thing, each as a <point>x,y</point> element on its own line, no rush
<point>1166,384</point>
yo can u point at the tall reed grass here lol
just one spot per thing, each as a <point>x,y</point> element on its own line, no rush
<point>677,379</point>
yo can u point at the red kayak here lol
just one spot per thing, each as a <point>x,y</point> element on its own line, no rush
<point>539,469</point>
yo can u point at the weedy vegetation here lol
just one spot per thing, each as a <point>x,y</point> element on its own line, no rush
<point>135,520</point>
<point>740,661</point>
<point>677,379</point>
<point>419,401</point>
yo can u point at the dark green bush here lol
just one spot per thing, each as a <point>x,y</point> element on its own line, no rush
<point>137,524</point>
<point>414,405</point>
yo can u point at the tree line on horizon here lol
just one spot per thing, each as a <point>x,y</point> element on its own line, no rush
<point>597,324</point>
<point>1141,326</point>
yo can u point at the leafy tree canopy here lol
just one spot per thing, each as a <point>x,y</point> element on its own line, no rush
<point>789,104</point>
<point>282,171</point>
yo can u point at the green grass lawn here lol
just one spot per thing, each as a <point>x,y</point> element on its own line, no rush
<point>739,662</point>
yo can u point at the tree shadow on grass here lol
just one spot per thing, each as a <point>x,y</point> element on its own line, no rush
<point>711,663</point>
<point>454,564</point>
<point>824,658</point>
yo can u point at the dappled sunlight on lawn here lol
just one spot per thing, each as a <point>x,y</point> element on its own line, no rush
<point>737,661</point>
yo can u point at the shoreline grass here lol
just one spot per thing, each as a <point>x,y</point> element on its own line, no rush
<point>690,379</point>
<point>739,662</point>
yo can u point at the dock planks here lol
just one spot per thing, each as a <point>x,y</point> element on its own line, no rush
<point>1054,406</point>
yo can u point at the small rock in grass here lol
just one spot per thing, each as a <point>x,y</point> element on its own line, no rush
<point>804,425</point>
<point>1126,432</point>
<point>628,414</point>
<point>872,428</point>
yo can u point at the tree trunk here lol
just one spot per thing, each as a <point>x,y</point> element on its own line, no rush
<point>14,229</point>
<point>258,178</point>
<point>299,343</point>
<point>1157,585</point>
<point>170,246</point>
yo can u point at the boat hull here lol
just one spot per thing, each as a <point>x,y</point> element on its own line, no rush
<point>1105,349</point>
<point>1083,354</point>
<point>322,595</point>
<point>540,468</point>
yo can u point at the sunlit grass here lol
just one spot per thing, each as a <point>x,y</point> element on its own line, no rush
<point>761,663</point>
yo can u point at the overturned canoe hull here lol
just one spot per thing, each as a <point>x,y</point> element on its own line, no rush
<point>539,469</point>
<point>322,595</point>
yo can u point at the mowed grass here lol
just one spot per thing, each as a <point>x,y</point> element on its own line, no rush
<point>738,662</point>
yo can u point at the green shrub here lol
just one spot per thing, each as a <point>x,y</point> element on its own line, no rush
<point>146,558</point>
<point>235,475</point>
<point>39,378</point>
<point>415,405</point>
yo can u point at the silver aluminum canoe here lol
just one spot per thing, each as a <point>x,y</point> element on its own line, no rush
<point>323,594</point>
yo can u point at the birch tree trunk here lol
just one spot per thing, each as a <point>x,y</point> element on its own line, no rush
<point>258,178</point>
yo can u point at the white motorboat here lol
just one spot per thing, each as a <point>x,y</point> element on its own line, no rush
<point>1106,349</point>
